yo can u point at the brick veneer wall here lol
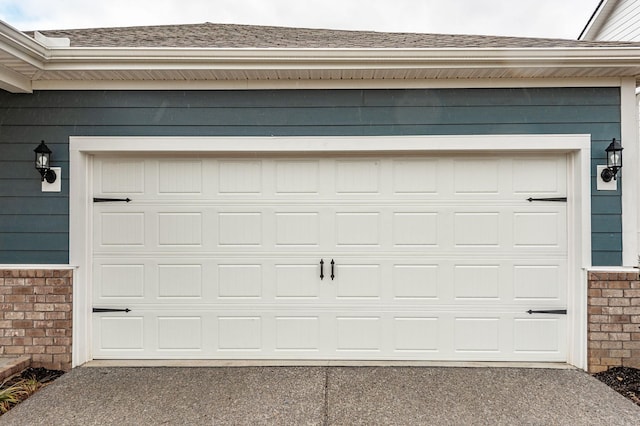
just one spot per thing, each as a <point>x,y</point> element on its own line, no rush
<point>35,315</point>
<point>613,320</point>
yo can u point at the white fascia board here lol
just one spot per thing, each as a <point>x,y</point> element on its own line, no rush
<point>66,59</point>
<point>22,47</point>
<point>14,82</point>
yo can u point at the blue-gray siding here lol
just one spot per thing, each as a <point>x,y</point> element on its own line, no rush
<point>34,225</point>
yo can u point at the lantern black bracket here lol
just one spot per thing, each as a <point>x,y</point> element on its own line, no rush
<point>614,161</point>
<point>43,163</point>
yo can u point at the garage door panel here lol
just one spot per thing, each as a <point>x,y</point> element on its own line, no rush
<point>330,334</point>
<point>435,258</point>
<point>392,281</point>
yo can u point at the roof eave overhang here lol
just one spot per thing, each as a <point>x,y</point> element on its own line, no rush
<point>84,65</point>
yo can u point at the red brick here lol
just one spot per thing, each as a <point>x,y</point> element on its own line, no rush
<point>622,353</point>
<point>36,283</point>
<point>612,293</point>
<point>34,315</point>
<point>43,307</point>
<point>43,324</point>
<point>632,293</point>
<point>62,341</point>
<point>62,358</point>
<point>598,336</point>
<point>55,350</point>
<point>23,307</point>
<point>14,333</point>
<point>55,315</point>
<point>631,310</point>
<point>44,341</point>
<point>611,345</point>
<point>15,298</point>
<point>599,353</point>
<point>619,284</point>
<point>612,310</point>
<point>611,327</point>
<point>22,341</point>
<point>62,307</point>
<point>14,350</point>
<point>35,332</point>
<point>22,324</point>
<point>595,292</point>
<point>598,301</point>
<point>622,319</point>
<point>42,358</point>
<point>13,315</point>
<point>619,336</point>
<point>595,275</point>
<point>631,362</point>
<point>61,332</point>
<point>595,319</point>
<point>593,369</point>
<point>630,328</point>
<point>34,349</point>
<point>23,290</point>
<point>619,301</point>
<point>55,298</point>
<point>594,327</point>
<point>611,361</point>
<point>631,345</point>
<point>63,324</point>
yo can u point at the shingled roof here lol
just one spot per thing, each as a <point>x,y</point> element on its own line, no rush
<point>247,56</point>
<point>210,35</point>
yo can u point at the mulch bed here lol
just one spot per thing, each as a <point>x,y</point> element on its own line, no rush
<point>624,380</point>
<point>42,375</point>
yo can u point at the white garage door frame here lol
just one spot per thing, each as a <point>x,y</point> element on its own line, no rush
<point>576,146</point>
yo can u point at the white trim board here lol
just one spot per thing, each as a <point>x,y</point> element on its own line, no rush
<point>579,207</point>
<point>323,84</point>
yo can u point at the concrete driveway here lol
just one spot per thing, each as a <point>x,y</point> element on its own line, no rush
<point>324,396</point>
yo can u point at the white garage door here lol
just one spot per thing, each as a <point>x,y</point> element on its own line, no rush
<point>417,258</point>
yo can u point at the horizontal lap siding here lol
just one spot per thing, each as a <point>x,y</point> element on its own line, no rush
<point>34,225</point>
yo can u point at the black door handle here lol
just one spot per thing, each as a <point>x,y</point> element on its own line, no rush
<point>332,265</point>
<point>321,269</point>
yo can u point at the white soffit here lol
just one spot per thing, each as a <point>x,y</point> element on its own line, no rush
<point>26,64</point>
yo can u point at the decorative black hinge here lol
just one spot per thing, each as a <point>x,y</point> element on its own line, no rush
<point>556,199</point>
<point>552,311</point>
<point>109,200</point>
<point>110,310</point>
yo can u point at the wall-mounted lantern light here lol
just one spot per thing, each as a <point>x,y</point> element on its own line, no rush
<point>614,161</point>
<point>43,163</point>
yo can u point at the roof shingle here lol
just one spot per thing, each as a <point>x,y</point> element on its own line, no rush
<point>209,35</point>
